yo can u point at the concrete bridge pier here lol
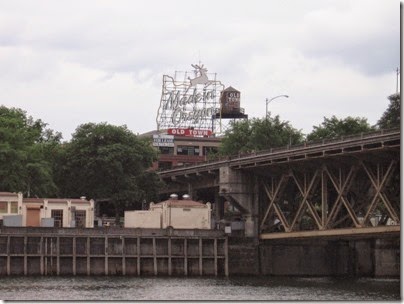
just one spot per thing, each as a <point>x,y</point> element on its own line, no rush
<point>241,190</point>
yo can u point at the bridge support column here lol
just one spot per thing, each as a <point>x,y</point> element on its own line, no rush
<point>219,207</point>
<point>251,226</point>
<point>241,190</point>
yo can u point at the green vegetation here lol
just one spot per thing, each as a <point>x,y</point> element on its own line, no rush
<point>109,162</point>
<point>26,154</point>
<point>391,117</point>
<point>103,161</point>
<point>258,134</point>
<point>334,127</point>
<point>266,133</point>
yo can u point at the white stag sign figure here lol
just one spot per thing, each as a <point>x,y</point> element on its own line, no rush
<point>202,78</point>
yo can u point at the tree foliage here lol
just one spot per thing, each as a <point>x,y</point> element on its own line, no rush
<point>392,116</point>
<point>334,127</point>
<point>258,134</point>
<point>103,161</point>
<point>26,154</point>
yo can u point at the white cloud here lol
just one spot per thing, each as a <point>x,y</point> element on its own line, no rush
<point>362,34</point>
<point>78,61</point>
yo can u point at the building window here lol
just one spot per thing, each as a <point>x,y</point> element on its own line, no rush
<point>80,218</point>
<point>14,207</point>
<point>187,150</point>
<point>57,215</point>
<point>166,150</point>
<point>3,207</point>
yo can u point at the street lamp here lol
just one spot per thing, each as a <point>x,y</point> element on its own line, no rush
<point>269,100</point>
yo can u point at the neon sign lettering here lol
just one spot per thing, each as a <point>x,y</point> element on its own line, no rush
<point>189,102</point>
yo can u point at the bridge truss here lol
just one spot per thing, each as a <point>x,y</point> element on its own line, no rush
<point>340,187</point>
<point>331,196</point>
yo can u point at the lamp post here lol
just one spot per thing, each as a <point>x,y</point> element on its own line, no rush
<point>267,101</point>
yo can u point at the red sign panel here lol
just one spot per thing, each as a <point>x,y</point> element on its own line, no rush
<point>189,132</point>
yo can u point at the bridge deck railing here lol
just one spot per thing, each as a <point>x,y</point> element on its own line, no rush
<point>288,148</point>
<point>322,142</point>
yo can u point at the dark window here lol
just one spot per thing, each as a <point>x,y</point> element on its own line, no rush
<point>167,150</point>
<point>80,218</point>
<point>3,207</point>
<point>14,207</point>
<point>187,150</point>
<point>57,215</point>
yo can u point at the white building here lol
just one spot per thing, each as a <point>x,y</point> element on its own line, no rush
<point>10,204</point>
<point>65,212</point>
<point>179,214</point>
<point>49,212</point>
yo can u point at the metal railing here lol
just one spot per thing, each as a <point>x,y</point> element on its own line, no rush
<point>278,150</point>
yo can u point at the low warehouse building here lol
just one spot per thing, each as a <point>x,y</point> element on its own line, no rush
<point>179,214</point>
<point>11,208</point>
<point>58,212</point>
<point>45,212</point>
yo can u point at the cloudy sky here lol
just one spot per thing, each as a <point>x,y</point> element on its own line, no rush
<point>72,62</point>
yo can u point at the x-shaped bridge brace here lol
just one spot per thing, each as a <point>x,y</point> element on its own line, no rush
<point>342,184</point>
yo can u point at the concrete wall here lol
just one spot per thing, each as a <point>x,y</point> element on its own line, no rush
<point>387,257</point>
<point>163,216</point>
<point>106,252</point>
<point>360,258</point>
<point>187,218</point>
<point>313,258</point>
<point>142,219</point>
<point>243,256</point>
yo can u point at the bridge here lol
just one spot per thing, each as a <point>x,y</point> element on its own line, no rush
<point>344,187</point>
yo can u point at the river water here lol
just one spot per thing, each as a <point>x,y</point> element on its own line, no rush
<point>197,288</point>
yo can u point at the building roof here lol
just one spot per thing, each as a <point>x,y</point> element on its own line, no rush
<point>151,133</point>
<point>8,194</point>
<point>54,200</point>
<point>182,203</point>
<point>230,89</point>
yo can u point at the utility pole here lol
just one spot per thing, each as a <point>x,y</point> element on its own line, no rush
<point>398,73</point>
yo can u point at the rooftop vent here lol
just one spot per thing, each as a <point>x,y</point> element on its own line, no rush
<point>83,198</point>
<point>186,197</point>
<point>174,196</point>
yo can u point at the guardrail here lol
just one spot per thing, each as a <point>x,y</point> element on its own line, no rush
<point>215,164</point>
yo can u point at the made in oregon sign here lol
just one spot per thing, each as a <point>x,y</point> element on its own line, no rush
<point>189,100</point>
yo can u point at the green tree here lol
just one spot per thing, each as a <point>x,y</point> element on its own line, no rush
<point>103,161</point>
<point>26,153</point>
<point>258,134</point>
<point>334,127</point>
<point>392,116</point>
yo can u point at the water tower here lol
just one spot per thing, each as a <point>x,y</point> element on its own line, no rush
<point>230,106</point>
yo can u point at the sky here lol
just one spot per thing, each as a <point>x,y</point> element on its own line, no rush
<point>74,62</point>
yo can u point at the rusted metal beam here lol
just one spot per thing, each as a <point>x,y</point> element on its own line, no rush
<point>332,232</point>
<point>305,193</point>
<point>379,187</point>
<point>341,188</point>
<point>272,196</point>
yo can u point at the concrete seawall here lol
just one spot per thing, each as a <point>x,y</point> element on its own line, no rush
<point>170,252</point>
<point>112,251</point>
<point>370,257</point>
